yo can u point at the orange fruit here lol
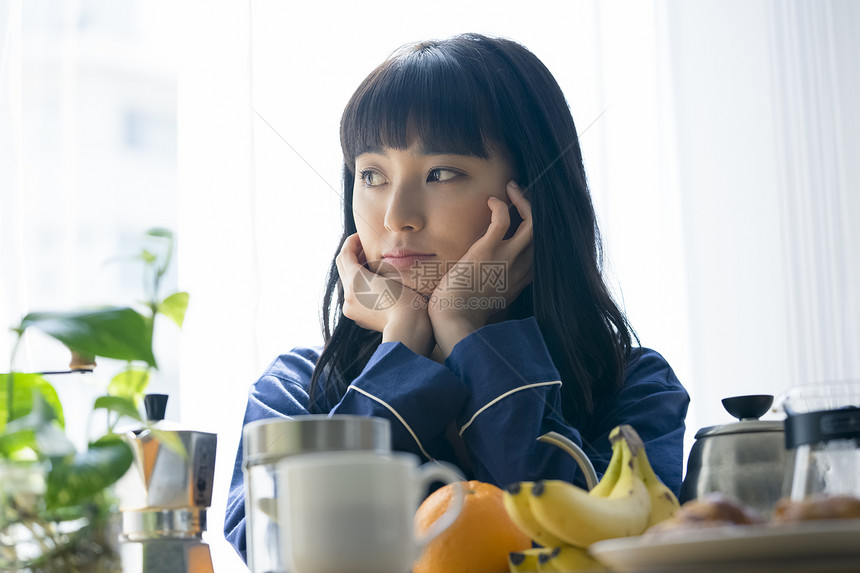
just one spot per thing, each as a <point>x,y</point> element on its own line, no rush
<point>478,541</point>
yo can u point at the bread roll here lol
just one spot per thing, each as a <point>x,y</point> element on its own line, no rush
<point>711,510</point>
<point>817,507</point>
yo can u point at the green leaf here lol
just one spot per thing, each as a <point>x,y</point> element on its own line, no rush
<point>170,440</point>
<point>39,415</point>
<point>38,431</point>
<point>118,404</point>
<point>13,442</point>
<point>160,232</point>
<point>130,383</point>
<point>147,257</point>
<point>174,307</point>
<point>27,387</point>
<point>75,479</point>
<point>114,332</point>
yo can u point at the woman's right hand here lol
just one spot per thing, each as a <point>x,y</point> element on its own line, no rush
<point>382,304</point>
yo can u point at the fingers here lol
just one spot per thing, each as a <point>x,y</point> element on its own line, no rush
<point>500,219</point>
<point>524,207</point>
<point>350,263</point>
<point>349,267</point>
<point>347,259</point>
<point>523,234</point>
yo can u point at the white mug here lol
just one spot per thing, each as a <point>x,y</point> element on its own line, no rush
<point>353,512</point>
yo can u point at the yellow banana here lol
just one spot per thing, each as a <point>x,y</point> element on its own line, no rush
<point>610,476</point>
<point>527,561</point>
<point>664,504</point>
<point>516,500</point>
<point>568,558</point>
<point>579,519</point>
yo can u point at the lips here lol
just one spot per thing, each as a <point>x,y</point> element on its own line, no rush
<point>403,259</point>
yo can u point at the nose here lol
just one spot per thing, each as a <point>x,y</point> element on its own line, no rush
<point>405,210</point>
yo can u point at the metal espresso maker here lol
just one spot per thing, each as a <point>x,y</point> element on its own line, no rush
<point>164,497</point>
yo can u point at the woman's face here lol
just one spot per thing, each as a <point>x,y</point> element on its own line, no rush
<point>417,212</point>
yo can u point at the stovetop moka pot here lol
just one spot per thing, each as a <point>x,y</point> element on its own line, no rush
<point>164,496</point>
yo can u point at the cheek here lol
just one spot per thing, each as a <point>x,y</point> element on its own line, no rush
<point>464,225</point>
<point>359,209</point>
<point>367,221</point>
<point>365,235</point>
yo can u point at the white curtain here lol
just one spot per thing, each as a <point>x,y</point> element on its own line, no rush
<point>818,142</point>
<point>766,132</point>
<point>87,163</point>
<point>10,172</point>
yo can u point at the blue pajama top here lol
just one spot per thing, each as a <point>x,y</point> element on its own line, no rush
<point>501,389</point>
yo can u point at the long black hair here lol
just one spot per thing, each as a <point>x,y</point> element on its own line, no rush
<point>468,95</point>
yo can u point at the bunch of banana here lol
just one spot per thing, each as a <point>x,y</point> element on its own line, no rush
<point>566,519</point>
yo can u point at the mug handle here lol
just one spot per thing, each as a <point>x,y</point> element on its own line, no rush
<point>444,472</point>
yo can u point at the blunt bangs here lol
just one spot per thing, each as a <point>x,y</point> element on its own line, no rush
<point>421,94</point>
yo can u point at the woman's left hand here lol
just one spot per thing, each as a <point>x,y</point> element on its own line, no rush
<point>490,276</point>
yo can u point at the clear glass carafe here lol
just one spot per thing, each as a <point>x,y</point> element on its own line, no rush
<point>823,427</point>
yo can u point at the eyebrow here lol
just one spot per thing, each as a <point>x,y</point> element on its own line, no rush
<point>430,151</point>
<point>422,150</point>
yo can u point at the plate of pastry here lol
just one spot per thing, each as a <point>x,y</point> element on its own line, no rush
<point>710,536</point>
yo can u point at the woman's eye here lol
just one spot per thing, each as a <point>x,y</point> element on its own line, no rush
<point>371,178</point>
<point>440,175</point>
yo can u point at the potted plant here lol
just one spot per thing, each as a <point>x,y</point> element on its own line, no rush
<point>55,501</point>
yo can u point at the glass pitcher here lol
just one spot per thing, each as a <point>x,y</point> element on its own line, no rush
<point>823,427</point>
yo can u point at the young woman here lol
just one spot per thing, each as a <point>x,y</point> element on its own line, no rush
<point>466,302</point>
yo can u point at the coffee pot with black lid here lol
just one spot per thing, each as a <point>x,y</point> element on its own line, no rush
<point>745,460</point>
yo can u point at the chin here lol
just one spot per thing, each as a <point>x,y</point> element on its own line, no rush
<point>406,277</point>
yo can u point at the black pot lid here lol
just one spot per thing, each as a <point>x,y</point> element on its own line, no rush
<point>748,409</point>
